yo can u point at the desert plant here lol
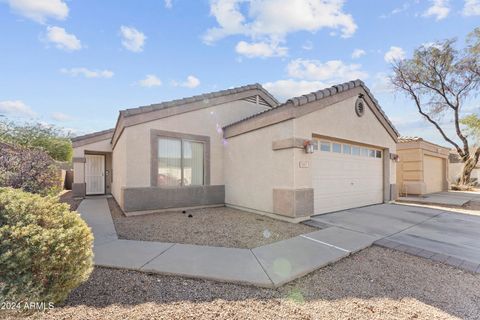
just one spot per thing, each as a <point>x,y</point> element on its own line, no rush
<point>29,169</point>
<point>439,78</point>
<point>54,141</point>
<point>45,249</point>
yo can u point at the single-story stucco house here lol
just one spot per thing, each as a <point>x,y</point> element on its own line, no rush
<point>422,167</point>
<point>328,150</point>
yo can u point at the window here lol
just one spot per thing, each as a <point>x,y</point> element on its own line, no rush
<point>347,149</point>
<point>336,147</point>
<point>355,151</point>
<point>315,144</point>
<point>378,153</point>
<point>371,153</point>
<point>325,146</point>
<point>364,152</point>
<point>180,162</point>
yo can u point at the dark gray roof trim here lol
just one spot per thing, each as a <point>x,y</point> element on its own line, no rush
<point>94,135</point>
<point>320,94</point>
<point>153,107</point>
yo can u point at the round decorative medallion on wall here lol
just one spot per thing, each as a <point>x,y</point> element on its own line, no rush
<point>360,107</point>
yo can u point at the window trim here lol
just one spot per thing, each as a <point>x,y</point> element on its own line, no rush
<point>156,134</point>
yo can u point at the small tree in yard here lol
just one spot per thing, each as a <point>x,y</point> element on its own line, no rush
<point>439,79</point>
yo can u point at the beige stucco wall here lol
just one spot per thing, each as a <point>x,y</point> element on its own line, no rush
<point>79,152</point>
<point>207,122</point>
<point>340,121</point>
<point>100,146</point>
<point>253,169</point>
<point>411,166</point>
<point>119,169</point>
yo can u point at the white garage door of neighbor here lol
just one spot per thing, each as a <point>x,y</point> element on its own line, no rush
<point>433,173</point>
<point>346,176</point>
<point>95,174</point>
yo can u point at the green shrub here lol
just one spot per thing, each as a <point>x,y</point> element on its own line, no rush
<point>45,249</point>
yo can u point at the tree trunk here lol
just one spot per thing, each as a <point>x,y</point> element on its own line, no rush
<point>468,167</point>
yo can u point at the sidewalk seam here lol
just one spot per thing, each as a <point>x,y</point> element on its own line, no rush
<point>261,266</point>
<point>155,257</point>
<point>325,243</point>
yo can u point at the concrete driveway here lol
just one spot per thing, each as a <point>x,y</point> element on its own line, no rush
<point>445,198</point>
<point>445,236</point>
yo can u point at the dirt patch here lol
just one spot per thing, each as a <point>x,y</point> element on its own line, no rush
<point>67,197</point>
<point>220,227</point>
<point>472,205</point>
<point>376,283</point>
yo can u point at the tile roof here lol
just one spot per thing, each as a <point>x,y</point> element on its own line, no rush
<point>201,97</point>
<point>320,94</point>
<point>93,135</point>
<point>406,139</point>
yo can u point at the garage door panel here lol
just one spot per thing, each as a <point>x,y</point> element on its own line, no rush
<point>433,173</point>
<point>343,181</point>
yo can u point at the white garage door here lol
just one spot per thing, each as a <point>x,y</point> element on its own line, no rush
<point>346,176</point>
<point>433,171</point>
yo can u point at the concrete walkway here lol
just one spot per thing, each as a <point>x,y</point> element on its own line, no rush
<point>446,198</point>
<point>444,236</point>
<point>266,266</point>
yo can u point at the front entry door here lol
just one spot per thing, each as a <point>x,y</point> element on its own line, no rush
<point>95,174</point>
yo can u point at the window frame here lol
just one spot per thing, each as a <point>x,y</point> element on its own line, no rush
<point>324,143</point>
<point>333,147</point>
<point>155,135</point>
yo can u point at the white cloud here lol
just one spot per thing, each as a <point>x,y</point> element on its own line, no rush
<point>357,53</point>
<point>397,10</point>
<point>62,39</point>
<point>381,83</point>
<point>471,8</point>
<point>191,82</point>
<point>16,108</point>
<point>273,20</point>
<point>333,71</point>
<point>394,54</point>
<point>439,9</point>
<point>62,117</point>
<point>311,75</point>
<point>168,4</point>
<point>260,49</point>
<point>132,39</point>
<point>289,88</point>
<point>40,10</point>
<point>87,73</point>
<point>308,45</point>
<point>150,80</point>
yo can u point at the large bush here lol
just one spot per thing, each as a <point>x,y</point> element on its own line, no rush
<point>29,169</point>
<point>45,249</point>
<point>54,141</point>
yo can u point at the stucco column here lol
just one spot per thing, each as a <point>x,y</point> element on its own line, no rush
<point>79,186</point>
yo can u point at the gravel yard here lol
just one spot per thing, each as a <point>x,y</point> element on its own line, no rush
<point>67,197</point>
<point>376,283</point>
<point>221,227</point>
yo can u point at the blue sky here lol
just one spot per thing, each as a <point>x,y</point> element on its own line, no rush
<point>76,63</point>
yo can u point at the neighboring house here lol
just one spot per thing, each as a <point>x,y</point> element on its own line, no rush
<point>325,151</point>
<point>422,167</point>
<point>456,167</point>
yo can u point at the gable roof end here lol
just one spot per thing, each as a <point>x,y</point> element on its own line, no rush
<point>321,94</point>
<point>202,97</point>
<point>134,116</point>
